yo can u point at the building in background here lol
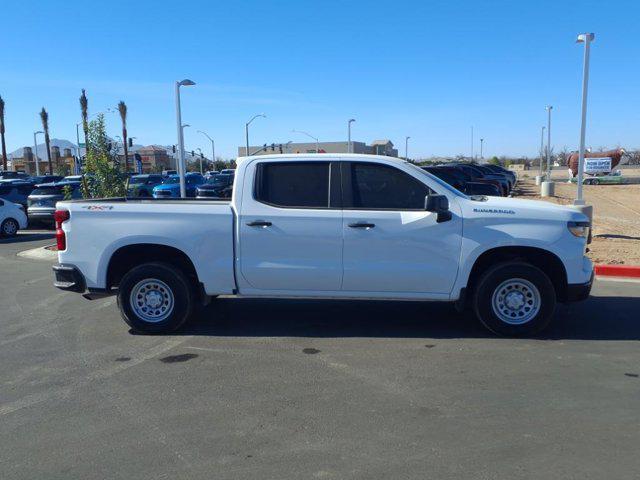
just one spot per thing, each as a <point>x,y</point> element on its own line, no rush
<point>155,159</point>
<point>377,147</point>
<point>25,160</point>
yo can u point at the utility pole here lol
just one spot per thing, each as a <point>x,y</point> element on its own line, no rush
<point>472,143</point>
<point>585,38</point>
<point>541,150</point>
<point>481,144</point>
<point>349,145</point>
<point>181,165</point>
<point>549,108</point>
<point>246,130</point>
<point>406,148</point>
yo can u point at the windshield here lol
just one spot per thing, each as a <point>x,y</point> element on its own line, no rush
<point>137,180</point>
<point>440,182</point>
<point>172,179</point>
<point>218,180</point>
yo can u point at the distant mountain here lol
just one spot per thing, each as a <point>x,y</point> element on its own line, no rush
<point>62,144</point>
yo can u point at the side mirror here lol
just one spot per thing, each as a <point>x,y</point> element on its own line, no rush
<point>438,204</point>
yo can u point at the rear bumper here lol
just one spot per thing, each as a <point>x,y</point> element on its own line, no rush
<point>68,277</point>
<point>579,291</point>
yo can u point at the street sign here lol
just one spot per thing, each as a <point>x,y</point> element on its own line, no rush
<point>597,165</point>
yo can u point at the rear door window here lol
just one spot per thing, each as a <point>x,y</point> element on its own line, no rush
<point>293,184</point>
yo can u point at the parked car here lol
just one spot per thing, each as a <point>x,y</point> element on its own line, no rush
<point>16,191</point>
<point>481,177</point>
<point>501,175</point>
<point>218,186</point>
<point>456,179</point>
<point>72,178</point>
<point>168,173</point>
<point>12,218</point>
<point>43,198</point>
<point>142,185</point>
<point>501,169</point>
<point>170,187</point>
<point>329,226</point>
<point>37,179</point>
<point>211,173</point>
<point>228,171</point>
<point>9,175</point>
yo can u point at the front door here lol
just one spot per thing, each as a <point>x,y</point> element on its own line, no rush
<point>291,227</point>
<point>391,244</point>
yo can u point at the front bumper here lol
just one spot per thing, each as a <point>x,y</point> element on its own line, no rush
<point>68,277</point>
<point>579,291</point>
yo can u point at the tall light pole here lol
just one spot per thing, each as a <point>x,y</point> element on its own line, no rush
<point>472,143</point>
<point>246,130</point>
<point>481,145</point>
<point>541,150</point>
<point>201,172</point>
<point>349,145</point>
<point>35,144</point>
<point>549,108</point>
<point>406,148</point>
<point>585,38</point>
<point>213,146</point>
<point>181,166</point>
<point>310,136</point>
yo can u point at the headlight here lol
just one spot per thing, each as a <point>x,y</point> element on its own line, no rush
<point>579,229</point>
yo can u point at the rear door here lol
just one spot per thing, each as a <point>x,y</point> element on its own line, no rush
<point>290,226</point>
<point>391,244</point>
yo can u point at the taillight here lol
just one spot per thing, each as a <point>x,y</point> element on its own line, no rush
<point>61,240</point>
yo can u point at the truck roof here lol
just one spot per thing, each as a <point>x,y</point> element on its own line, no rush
<point>320,156</point>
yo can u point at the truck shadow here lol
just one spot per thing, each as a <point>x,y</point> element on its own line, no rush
<point>27,237</point>
<point>598,318</point>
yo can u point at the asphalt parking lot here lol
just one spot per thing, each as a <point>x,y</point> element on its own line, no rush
<point>275,389</point>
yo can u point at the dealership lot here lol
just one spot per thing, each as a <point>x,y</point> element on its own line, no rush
<point>310,389</point>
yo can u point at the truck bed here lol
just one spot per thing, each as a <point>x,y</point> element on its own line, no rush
<point>202,229</point>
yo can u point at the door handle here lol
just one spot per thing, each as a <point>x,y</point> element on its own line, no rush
<point>362,225</point>
<point>259,223</point>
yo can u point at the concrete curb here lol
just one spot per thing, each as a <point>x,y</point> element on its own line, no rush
<point>629,271</point>
<point>40,253</point>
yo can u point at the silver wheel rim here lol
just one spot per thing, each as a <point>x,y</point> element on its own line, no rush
<point>10,227</point>
<point>152,300</point>
<point>516,301</point>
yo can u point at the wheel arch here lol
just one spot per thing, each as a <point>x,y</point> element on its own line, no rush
<point>129,256</point>
<point>545,260</point>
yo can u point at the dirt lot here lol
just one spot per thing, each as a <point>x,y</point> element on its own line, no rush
<point>616,216</point>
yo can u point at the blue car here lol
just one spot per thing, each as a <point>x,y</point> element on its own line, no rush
<point>170,187</point>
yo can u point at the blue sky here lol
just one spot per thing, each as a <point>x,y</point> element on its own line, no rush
<point>428,69</point>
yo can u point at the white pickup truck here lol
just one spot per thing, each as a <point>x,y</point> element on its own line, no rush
<point>327,226</point>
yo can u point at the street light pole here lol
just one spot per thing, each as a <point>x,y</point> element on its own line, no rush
<point>481,145</point>
<point>406,148</point>
<point>246,131</point>
<point>310,136</point>
<point>549,108</point>
<point>181,167</point>
<point>349,145</point>
<point>35,144</point>
<point>213,146</point>
<point>541,150</point>
<point>585,38</point>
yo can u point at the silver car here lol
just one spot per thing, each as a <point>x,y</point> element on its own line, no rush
<point>42,201</point>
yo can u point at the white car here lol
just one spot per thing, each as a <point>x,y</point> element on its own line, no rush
<point>12,218</point>
<point>327,226</point>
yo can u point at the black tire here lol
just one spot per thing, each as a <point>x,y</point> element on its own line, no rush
<point>180,291</point>
<point>538,306</point>
<point>9,228</point>
<point>595,181</point>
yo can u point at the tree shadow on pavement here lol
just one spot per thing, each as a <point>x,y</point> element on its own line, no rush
<point>598,318</point>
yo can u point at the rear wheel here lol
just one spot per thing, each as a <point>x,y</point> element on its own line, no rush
<point>9,227</point>
<point>155,298</point>
<point>514,299</point>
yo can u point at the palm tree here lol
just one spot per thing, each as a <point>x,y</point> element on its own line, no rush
<point>84,108</point>
<point>44,116</point>
<point>122,108</point>
<point>4,147</point>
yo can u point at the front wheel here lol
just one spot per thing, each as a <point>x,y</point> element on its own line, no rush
<point>155,298</point>
<point>514,299</point>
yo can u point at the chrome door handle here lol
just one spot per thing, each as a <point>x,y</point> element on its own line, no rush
<point>259,223</point>
<point>362,225</point>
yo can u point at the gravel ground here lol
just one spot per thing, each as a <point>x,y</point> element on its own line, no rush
<point>616,217</point>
